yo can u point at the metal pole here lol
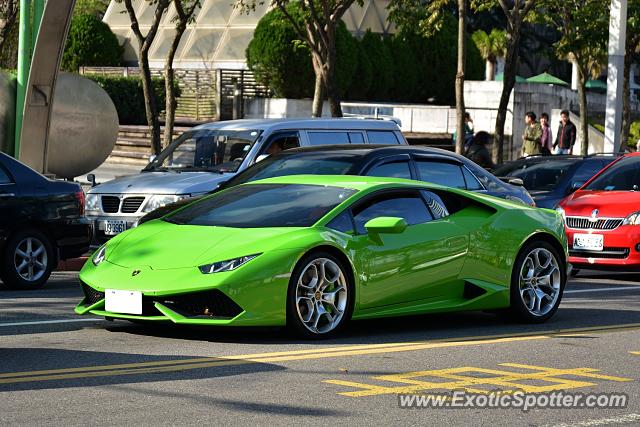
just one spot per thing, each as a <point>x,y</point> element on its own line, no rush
<point>615,72</point>
<point>24,63</point>
<point>38,10</point>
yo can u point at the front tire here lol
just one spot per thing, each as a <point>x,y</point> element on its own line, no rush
<point>27,260</point>
<point>320,296</point>
<point>537,283</point>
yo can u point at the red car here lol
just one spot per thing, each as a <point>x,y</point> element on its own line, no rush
<point>603,218</point>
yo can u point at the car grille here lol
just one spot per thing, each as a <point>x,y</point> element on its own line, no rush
<point>110,204</point>
<point>209,304</point>
<point>584,223</point>
<point>131,204</point>
<point>91,296</point>
<point>605,253</point>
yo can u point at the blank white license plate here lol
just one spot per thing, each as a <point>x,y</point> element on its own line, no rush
<point>590,242</point>
<point>111,228</point>
<point>129,302</point>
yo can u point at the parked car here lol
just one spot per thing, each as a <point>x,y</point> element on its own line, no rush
<point>410,162</point>
<point>603,218</point>
<point>197,161</point>
<point>41,222</point>
<point>312,252</point>
<point>550,179</point>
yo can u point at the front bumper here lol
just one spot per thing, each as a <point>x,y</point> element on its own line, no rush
<point>620,249</point>
<point>98,235</point>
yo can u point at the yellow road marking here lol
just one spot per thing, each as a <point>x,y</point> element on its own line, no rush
<point>316,353</point>
<point>467,378</point>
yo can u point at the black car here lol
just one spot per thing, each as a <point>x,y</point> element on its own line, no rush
<point>550,179</point>
<point>411,162</point>
<point>41,222</point>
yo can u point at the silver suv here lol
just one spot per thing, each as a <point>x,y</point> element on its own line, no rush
<point>201,159</point>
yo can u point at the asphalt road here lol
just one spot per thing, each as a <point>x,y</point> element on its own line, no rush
<point>60,369</point>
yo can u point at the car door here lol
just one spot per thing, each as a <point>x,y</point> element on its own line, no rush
<point>415,265</point>
<point>9,201</point>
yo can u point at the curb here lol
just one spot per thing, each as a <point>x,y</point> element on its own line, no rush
<point>73,264</point>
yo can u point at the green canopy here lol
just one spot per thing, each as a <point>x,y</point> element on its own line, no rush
<point>596,84</point>
<point>519,79</point>
<point>546,78</point>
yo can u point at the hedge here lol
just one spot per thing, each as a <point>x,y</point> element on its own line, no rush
<point>90,43</point>
<point>127,95</point>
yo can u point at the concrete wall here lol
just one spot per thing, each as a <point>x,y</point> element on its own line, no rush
<point>7,111</point>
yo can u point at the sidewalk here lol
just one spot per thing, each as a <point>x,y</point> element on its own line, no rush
<point>108,171</point>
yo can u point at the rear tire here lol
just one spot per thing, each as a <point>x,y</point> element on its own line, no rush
<point>537,282</point>
<point>27,260</point>
<point>320,296</point>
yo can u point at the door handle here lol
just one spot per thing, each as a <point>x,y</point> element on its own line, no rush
<point>6,195</point>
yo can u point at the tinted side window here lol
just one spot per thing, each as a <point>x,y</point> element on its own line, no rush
<point>326,138</point>
<point>382,137</point>
<point>586,171</point>
<point>411,208</point>
<point>342,223</point>
<point>4,177</point>
<point>441,173</point>
<point>356,137</point>
<point>392,170</point>
<point>472,182</point>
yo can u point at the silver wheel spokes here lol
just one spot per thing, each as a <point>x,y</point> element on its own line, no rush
<point>30,259</point>
<point>321,296</point>
<point>540,281</point>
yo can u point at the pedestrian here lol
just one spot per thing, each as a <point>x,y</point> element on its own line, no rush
<point>547,139</point>
<point>566,136</point>
<point>478,152</point>
<point>468,132</point>
<point>531,139</point>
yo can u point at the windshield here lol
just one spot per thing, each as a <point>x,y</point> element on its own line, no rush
<point>622,176</point>
<point>543,176</point>
<point>206,149</point>
<point>263,205</point>
<point>310,163</point>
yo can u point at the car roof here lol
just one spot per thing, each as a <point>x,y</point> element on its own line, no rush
<point>299,123</point>
<point>371,150</point>
<point>346,181</point>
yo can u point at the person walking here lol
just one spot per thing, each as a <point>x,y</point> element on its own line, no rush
<point>547,139</point>
<point>531,139</point>
<point>478,152</point>
<point>566,136</point>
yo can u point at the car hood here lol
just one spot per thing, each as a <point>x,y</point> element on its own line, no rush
<point>613,204</point>
<point>161,245</point>
<point>163,183</point>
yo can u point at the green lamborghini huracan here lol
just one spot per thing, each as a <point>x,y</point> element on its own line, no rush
<point>313,252</point>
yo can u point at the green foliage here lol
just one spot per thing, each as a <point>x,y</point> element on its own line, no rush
<point>492,45</point>
<point>96,8</point>
<point>127,95</point>
<point>92,43</point>
<point>382,61</point>
<point>634,135</point>
<point>360,85</point>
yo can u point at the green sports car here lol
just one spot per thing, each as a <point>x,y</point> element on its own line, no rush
<point>313,252</point>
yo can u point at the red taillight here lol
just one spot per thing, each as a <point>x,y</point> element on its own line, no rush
<point>80,198</point>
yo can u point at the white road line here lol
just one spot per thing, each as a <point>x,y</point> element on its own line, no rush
<point>49,322</point>
<point>623,419</point>
<point>620,288</point>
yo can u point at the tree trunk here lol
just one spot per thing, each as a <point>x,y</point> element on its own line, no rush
<point>490,71</point>
<point>330,81</point>
<point>583,131</point>
<point>462,50</point>
<point>318,93</point>
<point>169,82</point>
<point>150,104</point>
<point>508,82</point>
<point>626,105</point>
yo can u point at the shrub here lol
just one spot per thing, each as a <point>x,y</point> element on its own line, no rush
<point>382,62</point>
<point>126,94</point>
<point>90,42</point>
<point>359,87</point>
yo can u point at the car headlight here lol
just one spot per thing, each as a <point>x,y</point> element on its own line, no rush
<point>228,265</point>
<point>100,255</point>
<point>92,203</point>
<point>159,200</point>
<point>633,219</point>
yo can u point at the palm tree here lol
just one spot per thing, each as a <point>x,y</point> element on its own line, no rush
<point>491,47</point>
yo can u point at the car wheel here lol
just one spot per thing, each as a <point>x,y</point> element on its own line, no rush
<point>27,260</point>
<point>537,283</point>
<point>320,296</point>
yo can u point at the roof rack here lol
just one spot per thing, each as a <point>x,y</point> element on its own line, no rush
<point>376,117</point>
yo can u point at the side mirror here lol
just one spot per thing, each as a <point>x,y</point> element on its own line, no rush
<point>386,225</point>
<point>516,181</point>
<point>91,178</point>
<point>574,186</point>
<point>152,158</point>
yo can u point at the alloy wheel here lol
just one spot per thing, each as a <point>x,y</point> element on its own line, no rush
<point>540,280</point>
<point>30,259</point>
